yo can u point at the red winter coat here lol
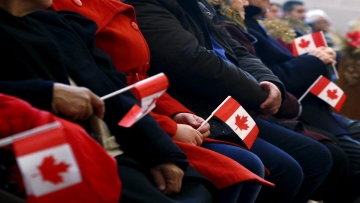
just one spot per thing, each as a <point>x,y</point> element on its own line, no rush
<point>119,36</point>
<point>17,116</point>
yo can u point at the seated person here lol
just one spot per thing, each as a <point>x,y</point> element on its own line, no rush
<point>205,66</point>
<point>333,184</point>
<point>135,63</point>
<point>297,74</point>
<point>45,50</point>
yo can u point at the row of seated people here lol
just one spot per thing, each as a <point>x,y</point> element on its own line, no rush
<point>204,65</point>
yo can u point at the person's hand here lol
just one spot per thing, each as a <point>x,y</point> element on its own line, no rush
<point>273,102</point>
<point>76,103</point>
<point>187,134</point>
<point>325,54</point>
<point>194,121</point>
<point>168,177</point>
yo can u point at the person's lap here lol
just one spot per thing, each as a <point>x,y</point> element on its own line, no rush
<point>292,148</point>
<point>138,186</point>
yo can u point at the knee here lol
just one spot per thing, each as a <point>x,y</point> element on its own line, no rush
<point>290,176</point>
<point>246,158</point>
<point>339,158</point>
<point>250,161</point>
<point>321,159</point>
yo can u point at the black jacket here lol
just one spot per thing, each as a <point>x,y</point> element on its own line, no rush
<point>178,34</point>
<point>47,47</point>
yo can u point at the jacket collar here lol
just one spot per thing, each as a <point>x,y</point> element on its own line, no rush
<point>251,12</point>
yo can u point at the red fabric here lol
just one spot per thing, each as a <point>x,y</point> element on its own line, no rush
<point>119,37</point>
<point>287,46</point>
<point>105,186</point>
<point>223,172</point>
<point>166,123</point>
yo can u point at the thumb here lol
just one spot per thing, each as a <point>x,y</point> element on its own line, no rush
<point>158,178</point>
<point>197,120</point>
<point>265,85</point>
<point>98,105</point>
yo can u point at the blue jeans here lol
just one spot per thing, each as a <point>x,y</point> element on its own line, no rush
<point>297,164</point>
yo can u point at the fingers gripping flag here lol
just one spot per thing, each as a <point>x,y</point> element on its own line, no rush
<point>234,115</point>
<point>54,171</point>
<point>329,92</point>
<point>148,91</point>
<point>306,43</point>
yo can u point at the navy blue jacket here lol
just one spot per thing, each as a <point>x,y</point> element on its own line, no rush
<point>296,73</point>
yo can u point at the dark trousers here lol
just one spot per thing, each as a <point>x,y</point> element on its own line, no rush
<point>10,198</point>
<point>350,144</point>
<point>297,164</point>
<point>244,192</point>
<point>333,189</point>
<point>138,186</point>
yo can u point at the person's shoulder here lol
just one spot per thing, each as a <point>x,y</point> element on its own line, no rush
<point>62,16</point>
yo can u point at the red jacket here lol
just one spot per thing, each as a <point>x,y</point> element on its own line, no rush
<point>17,116</point>
<point>119,36</point>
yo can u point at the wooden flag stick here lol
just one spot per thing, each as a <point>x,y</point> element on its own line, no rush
<point>307,91</point>
<point>333,66</point>
<point>205,121</point>
<point>212,114</point>
<point>9,140</point>
<point>336,72</point>
<point>117,92</point>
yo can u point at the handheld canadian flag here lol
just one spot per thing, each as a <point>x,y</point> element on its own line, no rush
<point>234,115</point>
<point>148,92</point>
<point>66,165</point>
<point>327,91</point>
<point>306,43</point>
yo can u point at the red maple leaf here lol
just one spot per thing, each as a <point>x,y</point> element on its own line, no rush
<point>51,171</point>
<point>241,122</point>
<point>303,43</point>
<point>332,93</point>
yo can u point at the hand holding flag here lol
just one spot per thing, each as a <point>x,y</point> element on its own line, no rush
<point>305,44</point>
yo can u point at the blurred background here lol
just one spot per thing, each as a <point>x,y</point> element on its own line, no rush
<point>340,11</point>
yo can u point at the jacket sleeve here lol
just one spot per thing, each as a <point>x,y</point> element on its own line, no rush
<point>145,141</point>
<point>168,106</point>
<point>166,123</point>
<point>189,65</point>
<point>306,66</point>
<point>296,73</point>
<point>37,92</point>
<point>252,64</point>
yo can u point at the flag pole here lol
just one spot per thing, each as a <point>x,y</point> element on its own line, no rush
<point>212,114</point>
<point>336,72</point>
<point>117,92</point>
<point>307,91</point>
<point>333,66</point>
<point>205,121</point>
<point>9,140</point>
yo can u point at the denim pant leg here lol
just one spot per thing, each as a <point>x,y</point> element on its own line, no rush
<point>314,159</point>
<point>248,191</point>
